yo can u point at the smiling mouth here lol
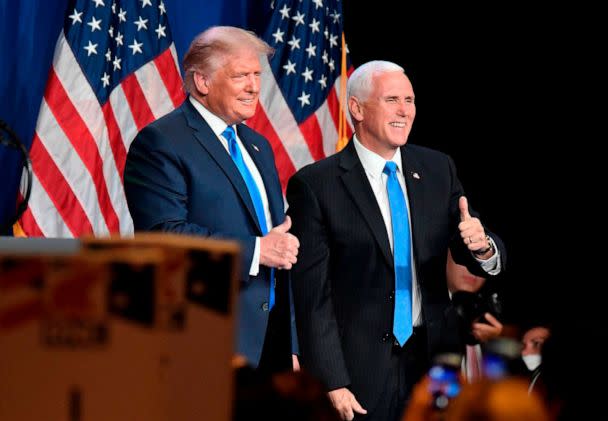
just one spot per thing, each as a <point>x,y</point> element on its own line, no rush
<point>399,125</point>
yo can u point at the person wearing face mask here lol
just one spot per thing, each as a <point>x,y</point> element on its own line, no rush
<point>532,341</point>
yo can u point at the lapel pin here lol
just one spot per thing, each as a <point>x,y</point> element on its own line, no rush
<point>416,175</point>
<point>255,147</point>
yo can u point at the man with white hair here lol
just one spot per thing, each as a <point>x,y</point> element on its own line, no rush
<point>374,223</point>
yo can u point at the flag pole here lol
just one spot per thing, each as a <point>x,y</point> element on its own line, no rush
<point>342,136</point>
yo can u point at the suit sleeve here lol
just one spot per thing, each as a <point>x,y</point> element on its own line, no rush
<point>318,334</point>
<point>156,188</point>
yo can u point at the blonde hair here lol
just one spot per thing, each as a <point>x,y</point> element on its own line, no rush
<point>210,48</point>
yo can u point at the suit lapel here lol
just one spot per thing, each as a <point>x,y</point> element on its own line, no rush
<point>357,184</point>
<point>273,188</point>
<point>208,140</point>
<point>414,182</point>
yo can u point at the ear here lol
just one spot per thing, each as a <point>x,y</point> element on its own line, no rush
<point>201,82</point>
<point>355,108</point>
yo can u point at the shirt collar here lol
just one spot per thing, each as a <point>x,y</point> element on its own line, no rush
<point>217,124</point>
<point>373,164</point>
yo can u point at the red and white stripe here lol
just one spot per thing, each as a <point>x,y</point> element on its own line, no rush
<point>80,146</point>
<point>296,145</point>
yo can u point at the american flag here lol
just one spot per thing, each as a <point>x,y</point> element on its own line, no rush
<point>114,71</point>
<point>299,110</point>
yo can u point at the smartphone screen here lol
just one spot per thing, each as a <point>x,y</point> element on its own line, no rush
<point>494,366</point>
<point>444,384</point>
<point>500,357</point>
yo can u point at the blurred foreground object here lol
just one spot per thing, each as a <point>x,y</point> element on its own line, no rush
<point>119,329</point>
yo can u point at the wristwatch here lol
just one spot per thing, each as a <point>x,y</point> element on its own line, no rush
<point>481,252</point>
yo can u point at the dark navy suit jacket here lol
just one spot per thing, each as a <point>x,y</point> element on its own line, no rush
<point>180,178</point>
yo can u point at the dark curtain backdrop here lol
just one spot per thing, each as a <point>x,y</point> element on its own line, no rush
<point>509,91</point>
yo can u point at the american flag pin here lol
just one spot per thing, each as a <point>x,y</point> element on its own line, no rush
<point>255,147</point>
<point>416,175</point>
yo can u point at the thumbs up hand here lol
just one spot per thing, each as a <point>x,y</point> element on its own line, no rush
<point>472,232</point>
<point>279,248</point>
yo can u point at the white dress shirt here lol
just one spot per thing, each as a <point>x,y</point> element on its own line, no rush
<point>373,164</point>
<point>218,126</point>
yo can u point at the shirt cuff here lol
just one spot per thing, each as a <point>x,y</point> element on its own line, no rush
<point>254,269</point>
<point>492,266</point>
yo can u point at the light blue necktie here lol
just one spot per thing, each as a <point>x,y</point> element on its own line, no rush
<point>402,252</point>
<point>254,193</point>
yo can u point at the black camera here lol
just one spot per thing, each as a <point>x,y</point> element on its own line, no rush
<point>471,306</point>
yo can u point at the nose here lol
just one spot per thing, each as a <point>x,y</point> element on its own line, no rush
<point>402,109</point>
<point>253,83</point>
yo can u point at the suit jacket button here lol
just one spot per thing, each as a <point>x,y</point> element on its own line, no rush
<point>265,306</point>
<point>386,337</point>
<point>391,296</point>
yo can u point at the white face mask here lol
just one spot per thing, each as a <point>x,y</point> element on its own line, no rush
<point>532,361</point>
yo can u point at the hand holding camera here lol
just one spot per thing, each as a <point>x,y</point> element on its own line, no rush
<point>489,329</point>
<point>478,314</point>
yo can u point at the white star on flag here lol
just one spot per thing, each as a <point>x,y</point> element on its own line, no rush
<point>285,12</point>
<point>311,50</point>
<point>94,24</point>
<point>290,67</point>
<point>105,79</point>
<point>160,31</point>
<point>141,24</point>
<point>76,17</point>
<point>91,48</point>
<point>298,18</point>
<point>304,98</point>
<point>323,81</point>
<point>294,43</point>
<point>307,73</point>
<point>136,47</point>
<point>278,35</point>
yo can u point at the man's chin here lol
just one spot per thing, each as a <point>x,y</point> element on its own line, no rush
<point>247,115</point>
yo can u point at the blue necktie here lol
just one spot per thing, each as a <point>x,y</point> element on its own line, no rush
<point>402,252</point>
<point>254,193</point>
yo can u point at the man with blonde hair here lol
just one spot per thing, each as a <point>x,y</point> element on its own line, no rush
<point>200,171</point>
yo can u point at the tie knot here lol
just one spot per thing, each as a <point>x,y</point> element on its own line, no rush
<point>390,168</point>
<point>229,134</point>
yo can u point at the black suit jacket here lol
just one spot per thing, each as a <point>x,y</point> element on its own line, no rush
<point>344,279</point>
